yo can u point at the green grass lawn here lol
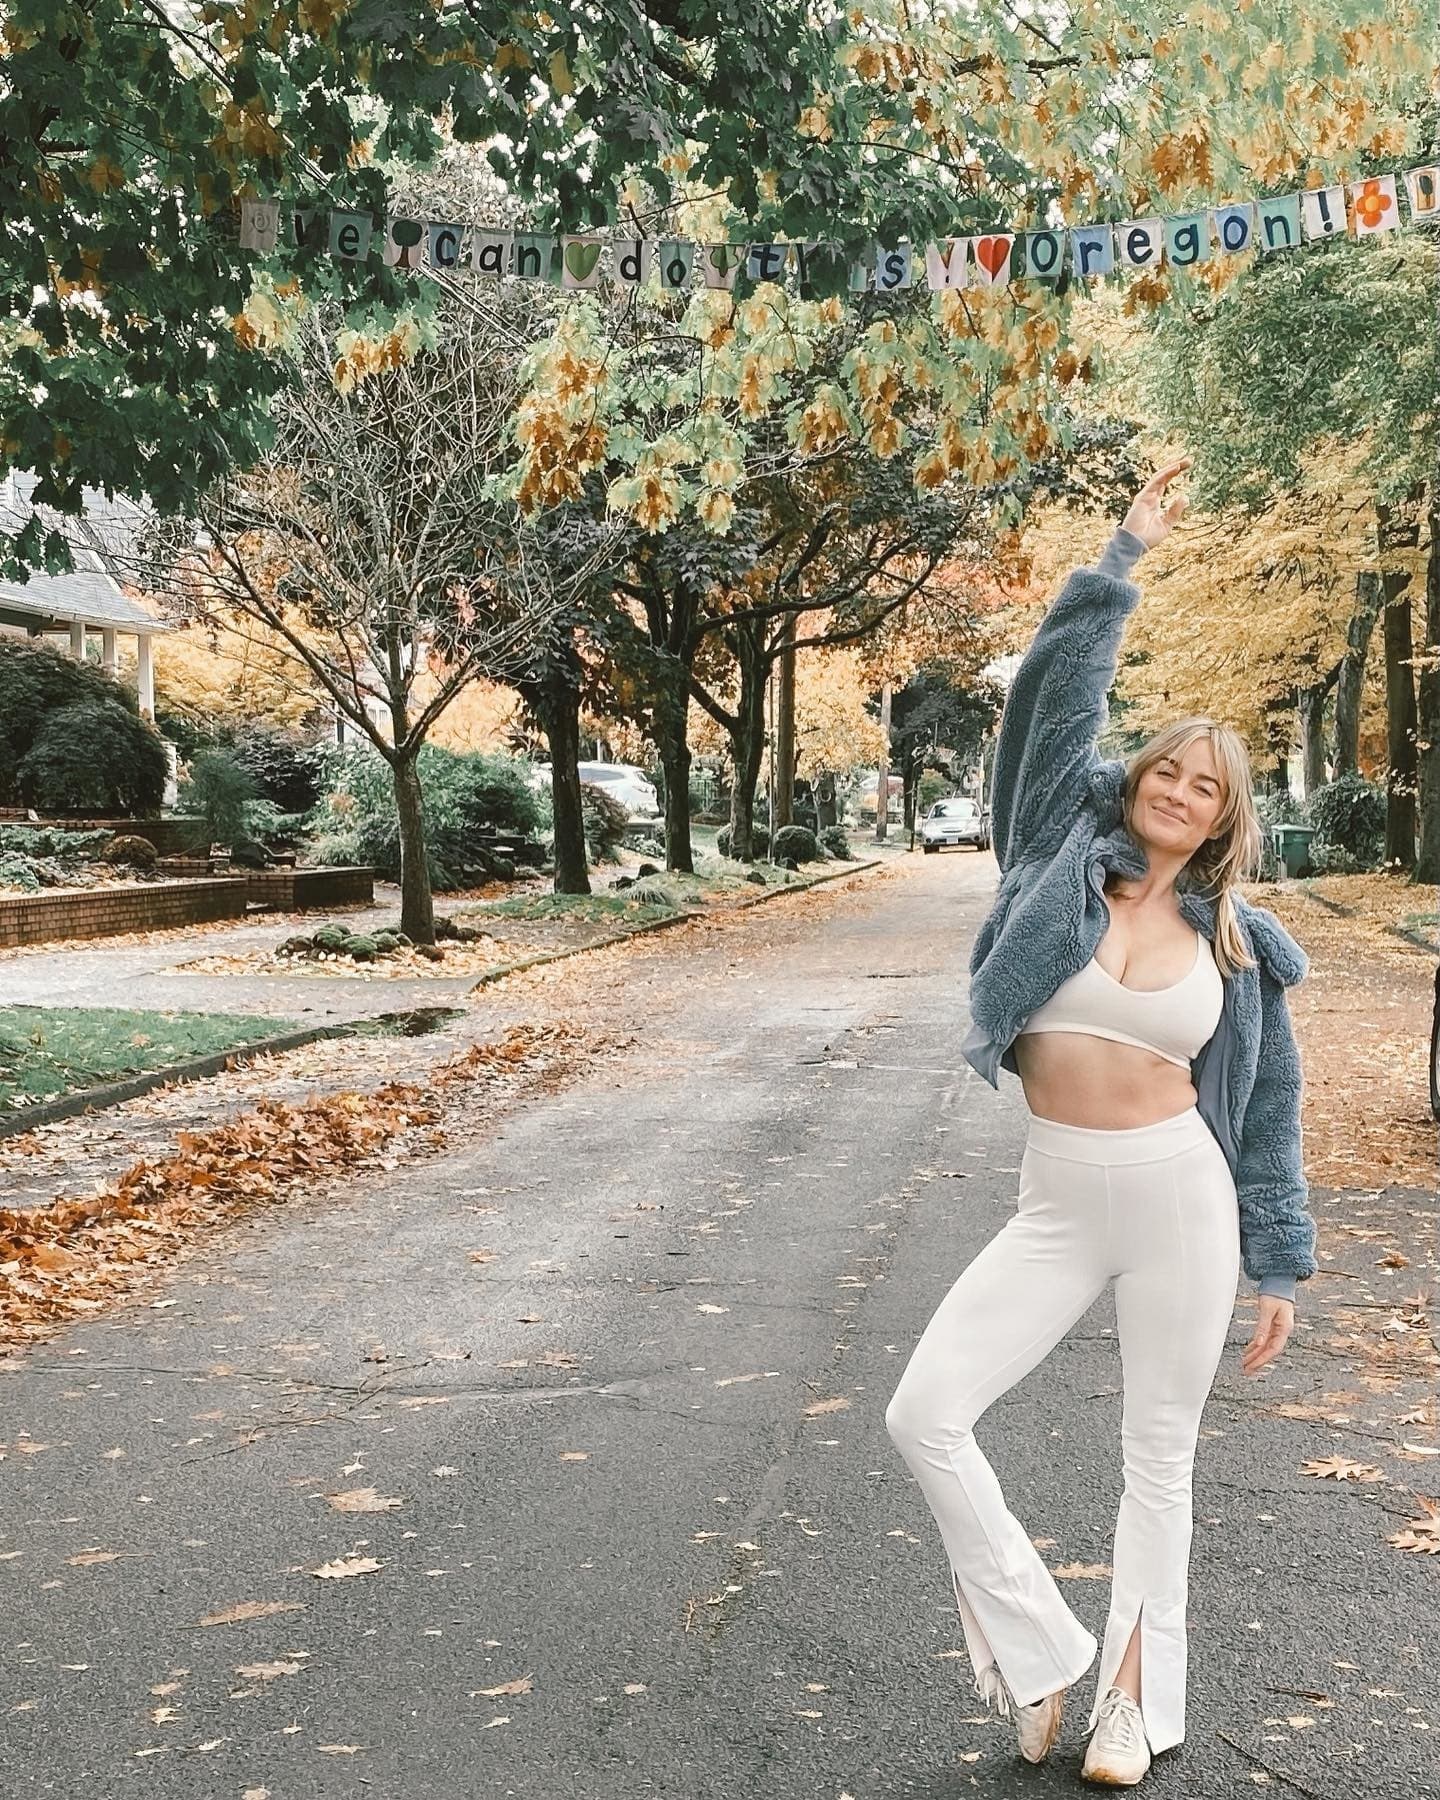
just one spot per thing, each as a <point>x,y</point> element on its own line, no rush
<point>47,1051</point>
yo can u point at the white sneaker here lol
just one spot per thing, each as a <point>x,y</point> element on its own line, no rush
<point>1037,1725</point>
<point>1118,1754</point>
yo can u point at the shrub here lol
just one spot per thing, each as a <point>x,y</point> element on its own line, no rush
<point>218,791</point>
<point>795,843</point>
<point>605,819</point>
<point>833,838</point>
<point>37,682</point>
<point>1349,816</point>
<point>287,772</point>
<point>130,852</point>
<point>94,755</point>
<point>464,794</point>
<point>759,841</point>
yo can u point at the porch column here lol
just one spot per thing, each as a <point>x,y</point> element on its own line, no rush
<point>107,649</point>
<point>77,639</point>
<point>146,677</point>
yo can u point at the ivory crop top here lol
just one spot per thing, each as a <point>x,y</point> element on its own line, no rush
<point>1175,1022</point>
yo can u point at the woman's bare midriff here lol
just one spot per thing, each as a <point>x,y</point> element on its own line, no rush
<point>1072,1078</point>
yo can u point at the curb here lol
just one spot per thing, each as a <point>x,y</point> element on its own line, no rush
<point>96,1099</point>
<point>489,976</point>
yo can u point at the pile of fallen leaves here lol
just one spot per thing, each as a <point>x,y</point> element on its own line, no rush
<point>71,1258</point>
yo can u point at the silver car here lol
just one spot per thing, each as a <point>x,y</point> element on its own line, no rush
<point>955,821</point>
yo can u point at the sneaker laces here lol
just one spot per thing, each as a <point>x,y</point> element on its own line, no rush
<point>993,1688</point>
<point>1120,1719</point>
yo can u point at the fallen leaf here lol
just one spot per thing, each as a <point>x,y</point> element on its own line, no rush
<point>341,1749</point>
<point>522,1684</point>
<point>838,1404</point>
<point>1342,1469</point>
<point>574,1455</point>
<point>252,1609</point>
<point>345,1566</point>
<point>1081,1571</point>
<point>268,1671</point>
<point>362,1500</point>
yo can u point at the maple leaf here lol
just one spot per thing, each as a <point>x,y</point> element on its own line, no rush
<point>1342,1469</point>
<point>345,1566</point>
<point>362,1500</point>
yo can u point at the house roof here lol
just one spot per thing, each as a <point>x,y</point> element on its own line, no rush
<point>102,542</point>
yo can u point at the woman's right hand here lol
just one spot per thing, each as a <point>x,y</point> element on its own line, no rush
<point>1148,518</point>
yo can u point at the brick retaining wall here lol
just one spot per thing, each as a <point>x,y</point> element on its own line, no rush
<point>103,912</point>
<point>171,837</point>
<point>290,890</point>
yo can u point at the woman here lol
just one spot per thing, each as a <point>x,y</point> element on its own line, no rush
<point>1140,999</point>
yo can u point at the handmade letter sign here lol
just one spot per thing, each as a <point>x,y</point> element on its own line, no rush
<point>947,265</point>
<point>1235,226</point>
<point>1279,227</point>
<point>490,252</point>
<point>308,226</point>
<point>1044,254</point>
<point>350,236</point>
<point>1376,206</point>
<point>403,238</point>
<point>1093,250</point>
<point>677,260</point>
<point>1324,211</point>
<point>859,278</point>
<point>445,242</point>
<point>1141,242</point>
<point>992,259</point>
<point>260,225</point>
<point>720,264</point>
<point>634,258</point>
<point>767,262</point>
<point>1422,188</point>
<point>581,262</point>
<point>1187,239</point>
<point>892,269</point>
<point>534,255</point>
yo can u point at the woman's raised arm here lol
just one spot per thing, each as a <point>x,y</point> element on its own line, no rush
<point>1056,706</point>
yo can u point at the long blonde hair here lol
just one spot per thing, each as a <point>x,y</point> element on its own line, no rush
<point>1233,853</point>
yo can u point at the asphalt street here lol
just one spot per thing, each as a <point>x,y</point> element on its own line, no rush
<point>621,1372</point>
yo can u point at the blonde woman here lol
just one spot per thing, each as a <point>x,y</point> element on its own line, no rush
<point>1141,1001</point>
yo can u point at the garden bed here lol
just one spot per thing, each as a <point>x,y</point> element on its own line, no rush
<point>47,1052</point>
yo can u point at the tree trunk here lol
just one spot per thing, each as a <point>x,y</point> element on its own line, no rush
<point>882,785</point>
<point>1311,707</point>
<point>747,736</point>
<point>785,729</point>
<point>1399,529</point>
<point>1427,866</point>
<point>1351,681</point>
<point>557,700</point>
<point>417,907</point>
<point>675,759</point>
<point>827,807</point>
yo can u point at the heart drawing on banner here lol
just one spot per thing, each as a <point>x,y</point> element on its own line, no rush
<point>580,260</point>
<point>992,253</point>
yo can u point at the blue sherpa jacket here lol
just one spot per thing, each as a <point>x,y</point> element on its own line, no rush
<point>1058,828</point>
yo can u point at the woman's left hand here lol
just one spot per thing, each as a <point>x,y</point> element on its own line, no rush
<point>1272,1333</point>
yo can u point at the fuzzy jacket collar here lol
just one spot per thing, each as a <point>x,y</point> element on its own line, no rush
<point>1117,850</point>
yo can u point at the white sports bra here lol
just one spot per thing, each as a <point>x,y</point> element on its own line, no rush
<point>1175,1022</point>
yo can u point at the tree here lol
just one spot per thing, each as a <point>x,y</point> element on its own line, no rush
<point>371,541</point>
<point>945,707</point>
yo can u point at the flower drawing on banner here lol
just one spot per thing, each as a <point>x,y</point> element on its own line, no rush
<point>1372,203</point>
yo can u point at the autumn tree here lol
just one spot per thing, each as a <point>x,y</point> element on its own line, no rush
<point>372,541</point>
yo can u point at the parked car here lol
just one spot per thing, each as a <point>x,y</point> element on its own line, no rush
<point>628,784</point>
<point>958,820</point>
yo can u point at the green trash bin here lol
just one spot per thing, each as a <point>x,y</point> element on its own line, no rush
<point>1292,846</point>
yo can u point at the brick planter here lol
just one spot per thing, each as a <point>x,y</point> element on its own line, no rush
<point>63,913</point>
<point>293,890</point>
<point>171,837</point>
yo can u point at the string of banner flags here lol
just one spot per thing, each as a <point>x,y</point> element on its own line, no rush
<point>985,260</point>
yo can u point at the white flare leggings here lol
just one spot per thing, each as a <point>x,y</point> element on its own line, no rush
<point>1154,1210</point>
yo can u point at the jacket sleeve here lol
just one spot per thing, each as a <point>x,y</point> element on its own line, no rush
<point>1056,706</point>
<point>1277,1230</point>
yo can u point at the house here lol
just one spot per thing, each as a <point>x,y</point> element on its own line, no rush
<point>88,601</point>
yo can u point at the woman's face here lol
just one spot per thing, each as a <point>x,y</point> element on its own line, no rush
<point>1177,802</point>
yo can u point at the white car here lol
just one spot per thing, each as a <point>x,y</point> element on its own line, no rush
<point>958,820</point>
<point>626,783</point>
